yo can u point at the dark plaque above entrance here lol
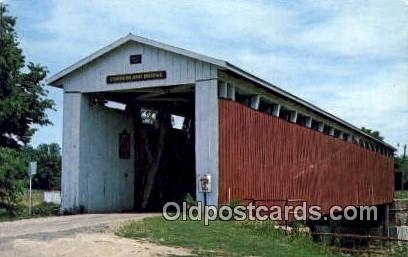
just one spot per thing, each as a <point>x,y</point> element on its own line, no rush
<point>131,77</point>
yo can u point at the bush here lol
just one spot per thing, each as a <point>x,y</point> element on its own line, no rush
<point>74,210</point>
<point>260,227</point>
<point>399,250</point>
<point>190,201</point>
<point>12,174</point>
<point>19,212</point>
<point>46,209</point>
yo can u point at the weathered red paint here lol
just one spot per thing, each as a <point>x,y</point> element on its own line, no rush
<point>264,157</point>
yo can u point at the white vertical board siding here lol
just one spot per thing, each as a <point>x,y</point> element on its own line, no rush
<point>179,69</point>
<point>106,182</point>
<point>206,145</point>
<point>93,175</point>
<point>70,150</point>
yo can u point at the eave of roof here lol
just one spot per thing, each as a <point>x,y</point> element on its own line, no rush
<point>55,79</point>
<point>300,101</point>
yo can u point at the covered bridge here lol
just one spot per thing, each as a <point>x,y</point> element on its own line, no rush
<point>144,121</point>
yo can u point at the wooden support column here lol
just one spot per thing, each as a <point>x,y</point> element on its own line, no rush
<point>331,132</point>
<point>276,110</point>
<point>75,106</point>
<point>308,122</point>
<point>350,138</point>
<point>387,220</point>
<point>341,135</point>
<point>321,127</point>
<point>206,129</point>
<point>222,89</point>
<point>293,116</point>
<point>135,109</point>
<point>255,100</point>
<point>231,91</point>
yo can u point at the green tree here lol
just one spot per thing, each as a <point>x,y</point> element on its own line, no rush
<point>373,133</point>
<point>48,157</point>
<point>401,166</point>
<point>12,174</point>
<point>23,98</point>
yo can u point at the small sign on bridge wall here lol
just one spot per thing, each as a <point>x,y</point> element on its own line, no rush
<point>135,59</point>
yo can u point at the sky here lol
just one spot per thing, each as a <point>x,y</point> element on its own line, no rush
<point>348,57</point>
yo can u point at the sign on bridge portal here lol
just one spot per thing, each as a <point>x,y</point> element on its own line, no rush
<point>121,78</point>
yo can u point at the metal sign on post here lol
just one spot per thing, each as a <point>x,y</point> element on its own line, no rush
<point>205,186</point>
<point>205,183</point>
<point>32,170</point>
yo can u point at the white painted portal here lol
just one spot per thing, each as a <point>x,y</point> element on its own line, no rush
<point>206,145</point>
<point>93,175</point>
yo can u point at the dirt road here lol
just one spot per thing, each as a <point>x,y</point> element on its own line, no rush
<point>77,235</point>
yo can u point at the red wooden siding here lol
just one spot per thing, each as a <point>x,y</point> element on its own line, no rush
<point>264,157</point>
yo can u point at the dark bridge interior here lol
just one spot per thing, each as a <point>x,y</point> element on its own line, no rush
<point>164,142</point>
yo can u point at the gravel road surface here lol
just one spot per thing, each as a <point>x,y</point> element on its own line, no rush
<point>77,235</point>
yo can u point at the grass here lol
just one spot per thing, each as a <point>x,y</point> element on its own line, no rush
<point>223,238</point>
<point>37,198</point>
<point>39,208</point>
<point>401,194</point>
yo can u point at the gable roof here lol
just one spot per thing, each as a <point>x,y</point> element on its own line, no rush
<point>132,38</point>
<point>56,78</point>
